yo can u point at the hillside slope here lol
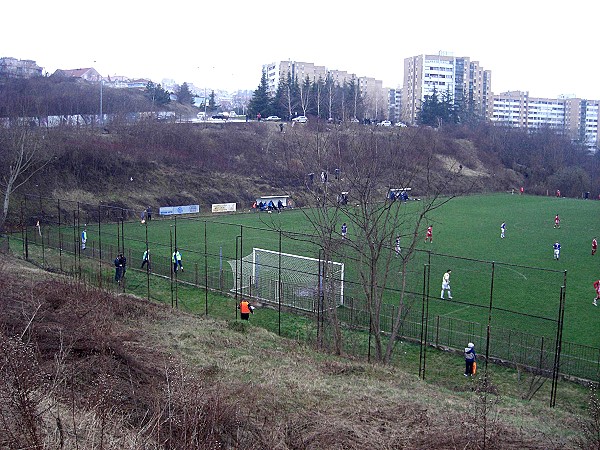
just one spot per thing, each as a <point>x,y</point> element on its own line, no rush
<point>173,164</point>
<point>83,368</point>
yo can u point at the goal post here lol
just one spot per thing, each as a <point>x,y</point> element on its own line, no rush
<point>295,280</point>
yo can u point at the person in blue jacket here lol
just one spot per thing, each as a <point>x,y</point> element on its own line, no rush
<point>470,358</point>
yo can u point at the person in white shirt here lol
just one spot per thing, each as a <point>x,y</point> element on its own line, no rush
<point>446,284</point>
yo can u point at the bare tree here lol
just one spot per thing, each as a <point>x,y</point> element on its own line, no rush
<point>20,147</point>
<point>369,164</point>
<point>305,94</point>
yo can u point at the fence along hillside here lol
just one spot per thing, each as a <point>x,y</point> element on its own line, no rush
<point>57,247</point>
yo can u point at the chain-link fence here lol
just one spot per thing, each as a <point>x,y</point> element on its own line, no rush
<point>84,240</point>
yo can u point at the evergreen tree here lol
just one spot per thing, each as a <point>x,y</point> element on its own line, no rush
<point>157,95</point>
<point>260,101</point>
<point>436,112</point>
<point>279,104</point>
<point>184,95</point>
<point>212,106</point>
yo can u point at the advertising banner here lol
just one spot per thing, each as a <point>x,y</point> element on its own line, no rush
<point>171,210</point>
<point>223,207</point>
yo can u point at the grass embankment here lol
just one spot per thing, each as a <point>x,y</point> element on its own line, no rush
<point>237,385</point>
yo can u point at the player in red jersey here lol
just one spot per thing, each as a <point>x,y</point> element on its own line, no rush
<point>429,235</point>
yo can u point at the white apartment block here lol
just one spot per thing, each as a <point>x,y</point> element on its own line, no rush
<point>19,68</point>
<point>464,80</point>
<point>575,117</point>
<point>375,97</point>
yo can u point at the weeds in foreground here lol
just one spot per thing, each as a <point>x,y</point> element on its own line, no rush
<point>590,428</point>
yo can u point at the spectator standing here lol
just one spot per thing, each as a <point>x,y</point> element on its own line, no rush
<point>83,238</point>
<point>146,259</point>
<point>177,264</point>
<point>123,265</point>
<point>118,268</point>
<point>149,214</point>
<point>245,309</point>
<point>39,228</point>
<point>470,358</point>
<point>446,285</point>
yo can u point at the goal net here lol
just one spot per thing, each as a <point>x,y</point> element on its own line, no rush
<point>294,280</point>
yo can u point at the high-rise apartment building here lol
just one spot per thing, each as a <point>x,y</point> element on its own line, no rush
<point>375,97</point>
<point>575,117</point>
<point>467,83</point>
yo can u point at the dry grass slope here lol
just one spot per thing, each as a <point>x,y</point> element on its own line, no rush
<point>86,369</point>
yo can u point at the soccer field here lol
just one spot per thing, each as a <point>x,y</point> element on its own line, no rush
<point>466,239</point>
<point>470,227</point>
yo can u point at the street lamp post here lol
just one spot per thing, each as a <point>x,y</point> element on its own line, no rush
<point>101,115</point>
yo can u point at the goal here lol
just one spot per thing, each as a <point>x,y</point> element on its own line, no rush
<point>294,280</point>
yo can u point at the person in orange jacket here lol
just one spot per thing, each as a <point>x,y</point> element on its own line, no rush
<point>245,309</point>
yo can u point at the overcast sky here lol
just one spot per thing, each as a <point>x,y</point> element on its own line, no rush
<point>546,48</point>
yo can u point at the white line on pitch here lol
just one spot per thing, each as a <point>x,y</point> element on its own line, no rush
<point>516,271</point>
<point>456,310</point>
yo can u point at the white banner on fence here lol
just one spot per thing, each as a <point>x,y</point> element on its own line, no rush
<point>170,210</point>
<point>223,207</point>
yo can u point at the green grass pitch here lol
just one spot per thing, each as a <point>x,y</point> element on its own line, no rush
<point>467,229</point>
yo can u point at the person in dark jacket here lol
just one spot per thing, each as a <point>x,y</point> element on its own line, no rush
<point>470,358</point>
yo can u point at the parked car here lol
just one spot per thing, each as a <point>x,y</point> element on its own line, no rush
<point>300,119</point>
<point>220,116</point>
<point>273,118</point>
<point>400,124</point>
<point>385,123</point>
